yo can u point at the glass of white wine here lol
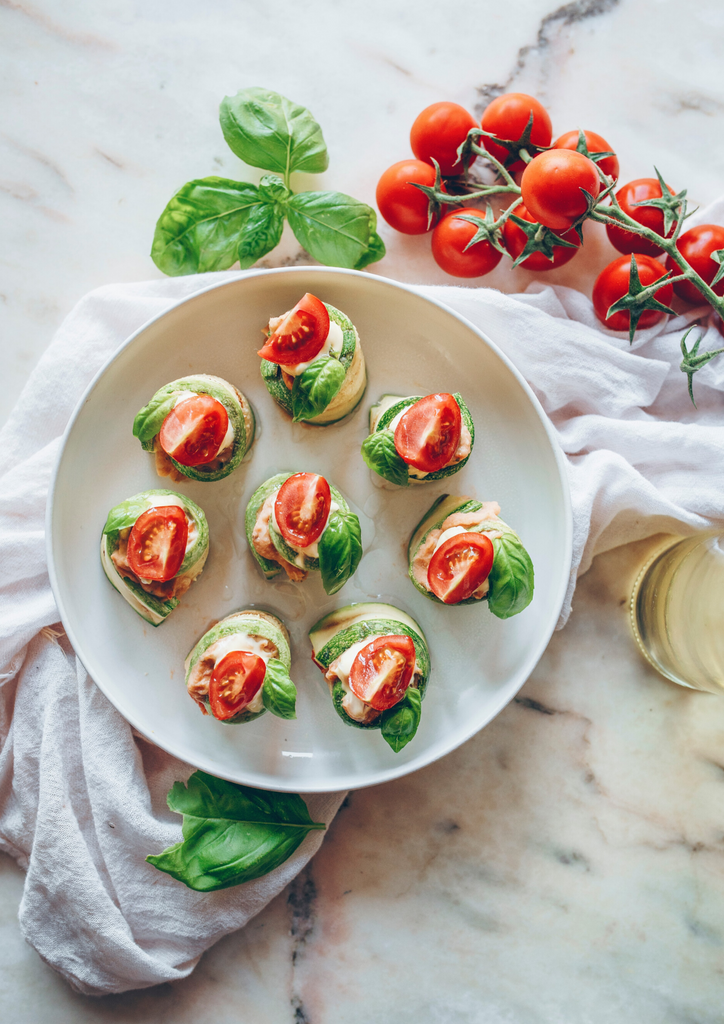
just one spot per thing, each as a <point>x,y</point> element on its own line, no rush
<point>677,612</point>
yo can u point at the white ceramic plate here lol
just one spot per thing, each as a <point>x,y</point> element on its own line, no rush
<point>412,346</point>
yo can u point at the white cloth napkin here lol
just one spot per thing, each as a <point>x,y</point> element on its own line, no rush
<point>83,799</point>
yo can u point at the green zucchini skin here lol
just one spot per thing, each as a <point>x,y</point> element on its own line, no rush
<point>250,622</point>
<point>389,414</point>
<point>374,625</point>
<point>153,609</point>
<point>236,407</point>
<point>447,505</point>
<point>272,376</point>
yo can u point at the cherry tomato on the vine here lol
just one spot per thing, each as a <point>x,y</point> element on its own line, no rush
<point>595,144</point>
<point>636,192</point>
<point>428,432</point>
<point>382,671</point>
<point>696,246</point>
<point>438,131</point>
<point>507,117</point>
<point>235,681</point>
<point>514,239</point>
<point>157,543</point>
<point>448,246</point>
<point>612,284</point>
<point>551,187</point>
<point>460,566</point>
<point>298,336</point>
<point>403,206</point>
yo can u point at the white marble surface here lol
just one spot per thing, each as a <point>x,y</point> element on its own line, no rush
<point>565,866</point>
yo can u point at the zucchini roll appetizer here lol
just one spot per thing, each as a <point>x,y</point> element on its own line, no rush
<point>462,552</point>
<point>298,522</point>
<point>153,547</point>
<point>240,668</point>
<point>312,362</point>
<point>377,664</point>
<point>199,427</point>
<point>414,440</point>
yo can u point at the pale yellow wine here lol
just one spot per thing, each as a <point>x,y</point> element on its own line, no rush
<point>677,612</point>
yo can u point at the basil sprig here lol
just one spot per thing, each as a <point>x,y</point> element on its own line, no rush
<point>399,723</point>
<point>340,550</point>
<point>231,833</point>
<point>380,454</point>
<point>278,692</point>
<point>511,579</point>
<point>210,223</point>
<point>315,387</point>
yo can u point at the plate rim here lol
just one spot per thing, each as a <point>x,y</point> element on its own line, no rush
<point>506,694</point>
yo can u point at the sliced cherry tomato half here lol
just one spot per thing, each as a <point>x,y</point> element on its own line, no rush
<point>302,508</point>
<point>382,671</point>
<point>235,682</point>
<point>157,543</point>
<point>459,566</point>
<point>299,335</point>
<point>193,431</point>
<point>428,433</point>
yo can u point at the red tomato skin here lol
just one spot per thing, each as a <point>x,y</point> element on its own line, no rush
<point>438,131</point>
<point>193,431</point>
<point>403,206</point>
<point>292,495</point>
<point>172,522</point>
<point>696,246</point>
<point>363,666</point>
<point>445,412</point>
<point>252,670</point>
<point>449,239</point>
<point>514,239</point>
<point>310,320</point>
<point>438,571</point>
<point>612,284</point>
<point>634,192</point>
<point>596,144</point>
<point>551,187</point>
<point>507,117</point>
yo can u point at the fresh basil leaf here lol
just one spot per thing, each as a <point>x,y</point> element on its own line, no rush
<point>124,515</point>
<point>231,833</point>
<point>261,234</point>
<point>267,130</point>
<point>315,387</point>
<point>273,190</point>
<point>340,550</point>
<point>380,454</point>
<point>200,228</point>
<point>335,229</point>
<point>150,419</point>
<point>278,692</point>
<point>511,579</point>
<point>399,723</point>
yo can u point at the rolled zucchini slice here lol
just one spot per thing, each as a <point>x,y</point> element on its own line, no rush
<point>381,455</point>
<point>149,420</point>
<point>511,580</point>
<point>339,631</point>
<point>254,632</point>
<point>335,555</point>
<point>154,608</point>
<point>331,386</point>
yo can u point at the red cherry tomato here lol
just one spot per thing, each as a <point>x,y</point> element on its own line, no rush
<point>438,131</point>
<point>551,187</point>
<point>636,192</point>
<point>302,508</point>
<point>507,117</point>
<point>402,205</point>
<point>612,284</point>
<point>696,246</point>
<point>235,682</point>
<point>459,566</point>
<point>515,238</point>
<point>382,671</point>
<point>595,144</point>
<point>300,335</point>
<point>429,432</point>
<point>157,543</point>
<point>194,429</point>
<point>448,246</point>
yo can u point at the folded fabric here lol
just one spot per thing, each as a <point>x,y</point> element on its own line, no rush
<point>82,799</point>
